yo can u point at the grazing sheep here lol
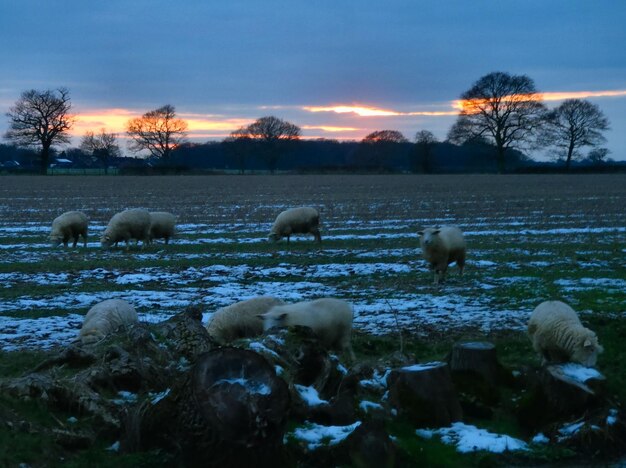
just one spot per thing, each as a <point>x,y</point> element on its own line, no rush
<point>68,226</point>
<point>240,320</point>
<point>302,220</point>
<point>330,319</point>
<point>126,225</point>
<point>441,246</point>
<point>162,225</point>
<point>104,318</point>
<point>558,336</point>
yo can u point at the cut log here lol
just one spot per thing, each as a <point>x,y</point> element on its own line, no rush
<point>476,357</point>
<point>425,394</point>
<point>235,408</point>
<point>561,391</point>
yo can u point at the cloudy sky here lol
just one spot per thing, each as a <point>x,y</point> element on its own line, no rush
<point>337,68</point>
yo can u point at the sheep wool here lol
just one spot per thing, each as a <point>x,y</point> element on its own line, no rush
<point>69,225</point>
<point>329,318</point>
<point>162,225</point>
<point>127,225</point>
<point>105,318</point>
<point>240,320</point>
<point>302,220</point>
<point>558,336</point>
<point>440,247</point>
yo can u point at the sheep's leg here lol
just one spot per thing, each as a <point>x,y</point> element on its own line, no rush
<point>84,240</point>
<point>75,242</point>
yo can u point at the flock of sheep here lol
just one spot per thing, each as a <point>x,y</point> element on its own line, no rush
<point>554,329</point>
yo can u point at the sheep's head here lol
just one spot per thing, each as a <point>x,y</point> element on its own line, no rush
<point>272,319</point>
<point>428,236</point>
<point>273,237</point>
<point>55,239</point>
<point>106,241</point>
<point>586,353</point>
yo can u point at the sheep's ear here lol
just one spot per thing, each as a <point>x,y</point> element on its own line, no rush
<point>435,232</point>
<point>261,316</point>
<point>588,343</point>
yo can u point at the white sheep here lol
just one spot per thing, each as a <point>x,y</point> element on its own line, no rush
<point>302,220</point>
<point>70,225</point>
<point>441,246</point>
<point>240,320</point>
<point>105,318</point>
<point>558,336</point>
<point>162,225</point>
<point>126,225</point>
<point>329,318</point>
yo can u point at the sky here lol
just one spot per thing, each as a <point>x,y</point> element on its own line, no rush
<point>336,68</point>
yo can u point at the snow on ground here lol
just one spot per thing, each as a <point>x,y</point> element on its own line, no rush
<point>159,292</point>
<point>316,435</point>
<point>469,438</point>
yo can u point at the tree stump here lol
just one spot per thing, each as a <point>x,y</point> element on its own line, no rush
<point>561,391</point>
<point>425,393</point>
<point>476,357</point>
<point>234,409</point>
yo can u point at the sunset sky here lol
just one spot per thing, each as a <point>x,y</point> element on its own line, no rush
<point>338,69</point>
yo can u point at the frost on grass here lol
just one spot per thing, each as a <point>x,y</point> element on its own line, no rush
<point>469,438</point>
<point>316,435</point>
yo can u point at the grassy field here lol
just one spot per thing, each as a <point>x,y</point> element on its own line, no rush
<point>530,238</point>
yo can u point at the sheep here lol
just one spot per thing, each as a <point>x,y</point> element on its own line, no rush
<point>240,320</point>
<point>105,318</point>
<point>126,225</point>
<point>302,220</point>
<point>162,225</point>
<point>558,336</point>
<point>441,246</point>
<point>329,318</point>
<point>69,225</point>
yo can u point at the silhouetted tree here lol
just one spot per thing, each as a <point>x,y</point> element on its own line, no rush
<point>272,137</point>
<point>239,146</point>
<point>376,148</point>
<point>103,146</point>
<point>505,109</point>
<point>41,119</point>
<point>572,125</point>
<point>425,141</point>
<point>158,131</point>
<point>598,156</point>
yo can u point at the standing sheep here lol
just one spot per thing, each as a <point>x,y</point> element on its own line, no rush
<point>126,225</point>
<point>302,220</point>
<point>162,225</point>
<point>330,319</point>
<point>441,246</point>
<point>558,336</point>
<point>105,318</point>
<point>68,226</point>
<point>240,320</point>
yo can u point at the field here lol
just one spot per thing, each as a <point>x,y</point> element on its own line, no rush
<point>530,239</point>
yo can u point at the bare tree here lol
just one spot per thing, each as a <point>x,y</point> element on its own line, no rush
<point>376,148</point>
<point>574,124</point>
<point>598,156</point>
<point>504,109</point>
<point>272,136</point>
<point>41,119</point>
<point>425,141</point>
<point>157,131</point>
<point>102,146</point>
<point>239,145</point>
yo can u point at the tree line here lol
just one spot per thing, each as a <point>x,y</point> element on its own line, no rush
<point>501,117</point>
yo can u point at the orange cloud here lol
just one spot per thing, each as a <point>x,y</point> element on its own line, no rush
<point>329,128</point>
<point>368,111</point>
